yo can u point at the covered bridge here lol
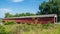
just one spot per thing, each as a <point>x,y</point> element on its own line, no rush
<point>42,19</point>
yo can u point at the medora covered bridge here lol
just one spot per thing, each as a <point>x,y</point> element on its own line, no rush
<point>42,19</point>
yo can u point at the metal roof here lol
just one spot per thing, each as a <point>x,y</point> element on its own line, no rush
<point>48,15</point>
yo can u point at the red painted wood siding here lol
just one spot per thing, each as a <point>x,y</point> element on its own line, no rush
<point>46,20</point>
<point>41,20</point>
<point>24,20</point>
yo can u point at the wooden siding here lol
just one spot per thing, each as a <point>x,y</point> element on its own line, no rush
<point>42,20</point>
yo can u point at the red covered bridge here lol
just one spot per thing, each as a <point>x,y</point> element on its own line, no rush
<point>43,19</point>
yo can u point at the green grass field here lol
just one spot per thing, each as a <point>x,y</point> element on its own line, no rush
<point>32,29</point>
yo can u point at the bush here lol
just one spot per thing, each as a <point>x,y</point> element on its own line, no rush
<point>2,30</point>
<point>9,23</point>
<point>48,25</point>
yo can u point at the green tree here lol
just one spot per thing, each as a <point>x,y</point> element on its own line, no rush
<point>16,15</point>
<point>29,14</point>
<point>26,14</point>
<point>50,7</point>
<point>7,15</point>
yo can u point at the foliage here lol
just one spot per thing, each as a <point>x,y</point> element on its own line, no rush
<point>33,29</point>
<point>7,15</point>
<point>9,23</point>
<point>30,29</point>
<point>0,19</point>
<point>50,7</point>
<point>2,30</point>
<point>46,26</point>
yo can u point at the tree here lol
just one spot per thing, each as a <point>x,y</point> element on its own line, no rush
<point>16,15</point>
<point>7,15</point>
<point>26,14</point>
<point>29,14</point>
<point>50,7</point>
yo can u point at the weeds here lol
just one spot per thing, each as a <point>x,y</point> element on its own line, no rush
<point>30,29</point>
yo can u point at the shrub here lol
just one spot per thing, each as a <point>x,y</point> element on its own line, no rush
<point>48,25</point>
<point>2,30</point>
<point>9,23</point>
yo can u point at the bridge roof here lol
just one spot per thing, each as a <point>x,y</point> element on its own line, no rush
<point>48,15</point>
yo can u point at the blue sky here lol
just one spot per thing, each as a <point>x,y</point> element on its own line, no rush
<point>19,6</point>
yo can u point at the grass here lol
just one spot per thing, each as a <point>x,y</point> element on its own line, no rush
<point>32,29</point>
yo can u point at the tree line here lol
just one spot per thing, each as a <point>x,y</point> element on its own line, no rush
<point>7,15</point>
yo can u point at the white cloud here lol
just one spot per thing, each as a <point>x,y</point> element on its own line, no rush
<point>17,0</point>
<point>3,11</point>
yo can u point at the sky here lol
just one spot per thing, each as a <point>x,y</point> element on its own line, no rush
<point>19,6</point>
